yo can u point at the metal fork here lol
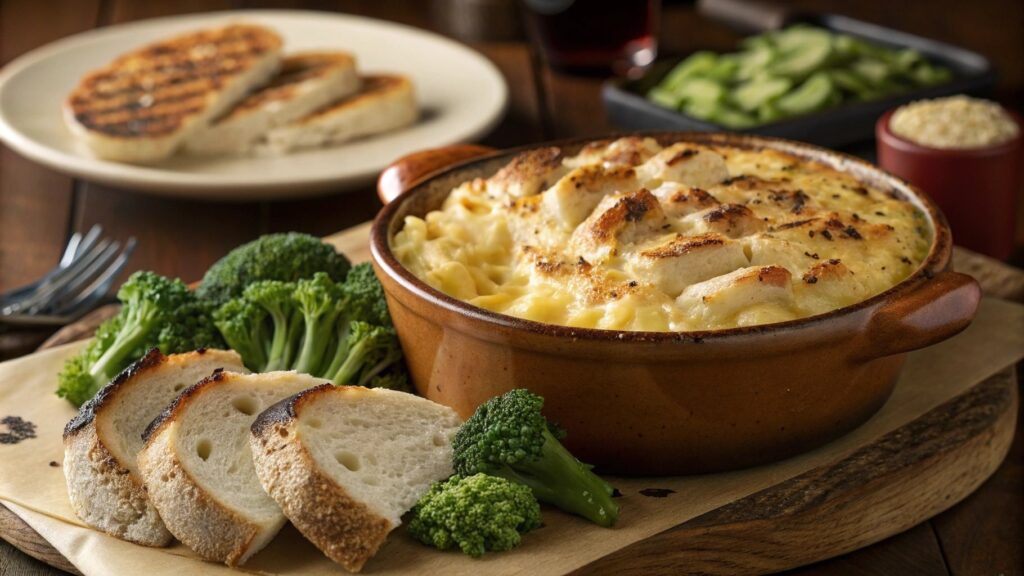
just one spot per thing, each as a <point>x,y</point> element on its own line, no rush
<point>83,277</point>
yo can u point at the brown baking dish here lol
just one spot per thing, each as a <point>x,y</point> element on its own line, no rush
<point>665,403</point>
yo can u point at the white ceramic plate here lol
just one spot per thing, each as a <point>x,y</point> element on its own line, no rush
<point>461,96</point>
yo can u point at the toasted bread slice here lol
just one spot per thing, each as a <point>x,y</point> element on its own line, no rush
<point>197,466</point>
<point>143,105</point>
<point>306,82</point>
<point>383,103</point>
<point>101,443</point>
<point>345,463</point>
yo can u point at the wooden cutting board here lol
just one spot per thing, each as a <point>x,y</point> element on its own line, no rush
<point>885,487</point>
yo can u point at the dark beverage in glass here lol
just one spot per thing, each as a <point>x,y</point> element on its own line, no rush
<point>595,36</point>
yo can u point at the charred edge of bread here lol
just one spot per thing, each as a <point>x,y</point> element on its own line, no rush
<point>219,375</point>
<point>346,530</point>
<point>87,413</point>
<point>284,410</point>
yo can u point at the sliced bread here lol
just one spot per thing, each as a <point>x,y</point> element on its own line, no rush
<point>383,103</point>
<point>198,470</point>
<point>345,462</point>
<point>101,443</point>
<point>144,104</point>
<point>306,82</point>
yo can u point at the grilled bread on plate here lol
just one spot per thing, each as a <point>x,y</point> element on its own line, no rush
<point>345,462</point>
<point>101,443</point>
<point>306,82</point>
<point>143,105</point>
<point>198,470</point>
<point>383,103</point>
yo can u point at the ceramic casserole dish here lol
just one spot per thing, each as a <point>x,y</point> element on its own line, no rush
<point>667,403</point>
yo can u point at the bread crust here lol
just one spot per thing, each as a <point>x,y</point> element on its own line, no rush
<point>189,513</point>
<point>103,492</point>
<point>344,529</point>
<point>105,495</point>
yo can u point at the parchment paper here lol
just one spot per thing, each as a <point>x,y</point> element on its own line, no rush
<point>35,490</point>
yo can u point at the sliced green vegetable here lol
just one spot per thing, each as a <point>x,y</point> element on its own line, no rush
<point>802,51</point>
<point>732,118</point>
<point>697,64</point>
<point>663,97</point>
<point>701,90</point>
<point>751,95</point>
<point>814,94</point>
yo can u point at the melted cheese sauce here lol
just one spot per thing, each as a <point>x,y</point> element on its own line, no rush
<point>628,235</point>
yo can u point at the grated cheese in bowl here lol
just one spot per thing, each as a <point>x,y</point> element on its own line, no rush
<point>954,122</point>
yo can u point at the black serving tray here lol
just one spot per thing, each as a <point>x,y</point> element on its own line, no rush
<point>844,125</point>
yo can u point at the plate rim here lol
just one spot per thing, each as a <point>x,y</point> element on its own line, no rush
<point>144,179</point>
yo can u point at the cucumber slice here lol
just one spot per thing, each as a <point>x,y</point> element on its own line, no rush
<point>874,71</point>
<point>700,110</point>
<point>754,62</point>
<point>725,69</point>
<point>929,75</point>
<point>663,97</point>
<point>732,118</point>
<point>803,51</point>
<point>696,64</point>
<point>850,82</point>
<point>812,95</point>
<point>701,90</point>
<point>769,113</point>
<point>751,95</point>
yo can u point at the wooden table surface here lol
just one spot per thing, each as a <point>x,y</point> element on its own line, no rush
<point>39,209</point>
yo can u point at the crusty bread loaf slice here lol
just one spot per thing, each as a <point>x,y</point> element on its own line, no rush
<point>197,466</point>
<point>345,462</point>
<point>101,443</point>
<point>383,103</point>
<point>306,82</point>
<point>144,104</point>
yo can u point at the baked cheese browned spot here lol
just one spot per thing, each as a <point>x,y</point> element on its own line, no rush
<point>156,89</point>
<point>636,236</point>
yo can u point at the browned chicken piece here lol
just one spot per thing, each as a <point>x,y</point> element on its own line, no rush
<point>679,201</point>
<point>732,220</point>
<point>529,173</point>
<point>718,299</point>
<point>680,261</point>
<point>619,219</point>
<point>688,164</point>
<point>577,193</point>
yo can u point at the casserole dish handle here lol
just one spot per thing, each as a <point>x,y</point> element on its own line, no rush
<point>411,169</point>
<point>934,311</point>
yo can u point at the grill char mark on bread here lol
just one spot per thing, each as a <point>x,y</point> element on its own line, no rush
<point>101,442</point>
<point>141,106</point>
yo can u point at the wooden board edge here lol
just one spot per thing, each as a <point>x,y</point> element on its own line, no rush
<point>887,487</point>
<point>826,512</point>
<point>17,533</point>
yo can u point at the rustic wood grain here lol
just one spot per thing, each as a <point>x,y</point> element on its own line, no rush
<point>30,193</point>
<point>21,536</point>
<point>882,489</point>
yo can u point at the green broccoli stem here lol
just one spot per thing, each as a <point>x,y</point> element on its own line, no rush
<point>132,335</point>
<point>558,478</point>
<point>350,367</point>
<point>316,337</point>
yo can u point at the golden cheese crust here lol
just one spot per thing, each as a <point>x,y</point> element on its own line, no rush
<point>630,235</point>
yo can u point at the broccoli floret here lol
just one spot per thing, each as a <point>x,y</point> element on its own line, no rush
<point>371,349</point>
<point>155,312</point>
<point>244,325</point>
<point>478,513</point>
<point>337,331</point>
<point>366,296</point>
<point>508,436</point>
<point>284,257</point>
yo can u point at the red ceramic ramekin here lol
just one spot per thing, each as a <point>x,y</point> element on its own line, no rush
<point>977,188</point>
